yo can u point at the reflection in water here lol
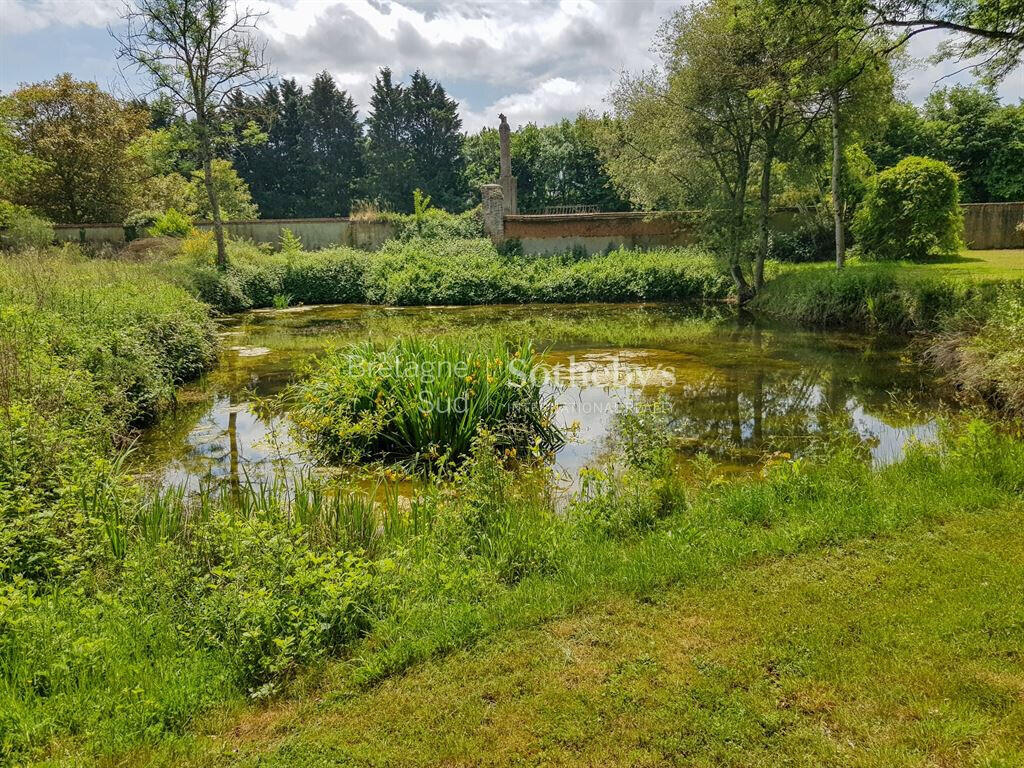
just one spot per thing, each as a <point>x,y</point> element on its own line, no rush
<point>730,387</point>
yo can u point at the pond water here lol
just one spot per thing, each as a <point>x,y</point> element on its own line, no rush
<point>731,386</point>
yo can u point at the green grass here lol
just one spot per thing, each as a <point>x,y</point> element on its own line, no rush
<point>901,651</point>
<point>1007,264</point>
<point>128,617</point>
<point>177,636</point>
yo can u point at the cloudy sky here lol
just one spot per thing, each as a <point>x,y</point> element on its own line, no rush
<point>533,60</point>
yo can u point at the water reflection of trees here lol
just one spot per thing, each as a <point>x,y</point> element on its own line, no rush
<point>781,391</point>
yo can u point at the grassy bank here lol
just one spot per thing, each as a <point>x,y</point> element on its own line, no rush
<point>814,659</point>
<point>223,599</point>
<point>969,322</point>
<point>445,271</point>
<point>89,351</point>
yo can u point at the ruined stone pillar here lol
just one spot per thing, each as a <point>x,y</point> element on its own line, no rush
<point>505,178</point>
<point>492,203</point>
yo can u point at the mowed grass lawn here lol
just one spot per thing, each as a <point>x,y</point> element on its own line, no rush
<point>899,651</point>
<point>1005,264</point>
<point>1002,264</point>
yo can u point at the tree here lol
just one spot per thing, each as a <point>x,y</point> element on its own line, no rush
<point>231,190</point>
<point>333,136</point>
<point>558,164</point>
<point>848,60</point>
<point>435,142</point>
<point>77,136</point>
<point>16,166</point>
<point>911,211</point>
<point>966,127</point>
<point>414,141</point>
<point>992,30</point>
<point>196,52</point>
<point>389,161</point>
<point>713,115</point>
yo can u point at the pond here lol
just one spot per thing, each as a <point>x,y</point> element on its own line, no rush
<point>729,385</point>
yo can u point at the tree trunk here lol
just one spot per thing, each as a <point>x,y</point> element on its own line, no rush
<point>837,166</point>
<point>765,210</point>
<point>744,294</point>
<point>211,194</point>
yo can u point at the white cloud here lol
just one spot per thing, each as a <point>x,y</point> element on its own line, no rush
<point>923,76</point>
<point>513,56</point>
<point>535,60</point>
<point>548,102</point>
<point>21,16</point>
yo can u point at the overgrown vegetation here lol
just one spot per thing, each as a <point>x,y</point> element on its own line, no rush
<point>911,211</point>
<point>88,352</point>
<point>981,352</point>
<point>126,612</point>
<point>446,271</point>
<point>425,402</point>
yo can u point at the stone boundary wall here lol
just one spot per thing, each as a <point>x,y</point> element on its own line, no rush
<point>987,226</point>
<point>599,232</point>
<point>315,233</point>
<point>993,226</point>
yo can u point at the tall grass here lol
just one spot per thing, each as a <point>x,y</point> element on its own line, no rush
<point>88,352</point>
<point>871,297</point>
<point>425,401</point>
<point>424,271</point>
<point>982,353</point>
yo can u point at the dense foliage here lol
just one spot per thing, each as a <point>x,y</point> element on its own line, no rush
<point>311,163</point>
<point>554,165</point>
<point>89,351</point>
<point>980,352</point>
<point>449,271</point>
<point>425,402</point>
<point>78,135</point>
<point>965,127</point>
<point>911,211</point>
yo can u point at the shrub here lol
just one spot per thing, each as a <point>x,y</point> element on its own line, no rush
<point>809,243</point>
<point>20,228</point>
<point>911,211</point>
<point>424,401</point>
<point>138,222</point>
<point>984,357</point>
<point>422,271</point>
<point>171,224</point>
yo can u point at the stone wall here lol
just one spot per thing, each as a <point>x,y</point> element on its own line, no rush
<point>315,233</point>
<point>598,232</point>
<point>993,225</point>
<point>986,226</point>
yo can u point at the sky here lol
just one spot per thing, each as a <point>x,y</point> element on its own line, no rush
<point>534,60</point>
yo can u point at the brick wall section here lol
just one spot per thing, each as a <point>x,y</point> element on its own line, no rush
<point>634,224</point>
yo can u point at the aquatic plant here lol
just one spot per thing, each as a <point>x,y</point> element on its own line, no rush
<point>424,401</point>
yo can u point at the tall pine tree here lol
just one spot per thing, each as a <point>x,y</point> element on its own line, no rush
<point>333,137</point>
<point>389,161</point>
<point>435,141</point>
